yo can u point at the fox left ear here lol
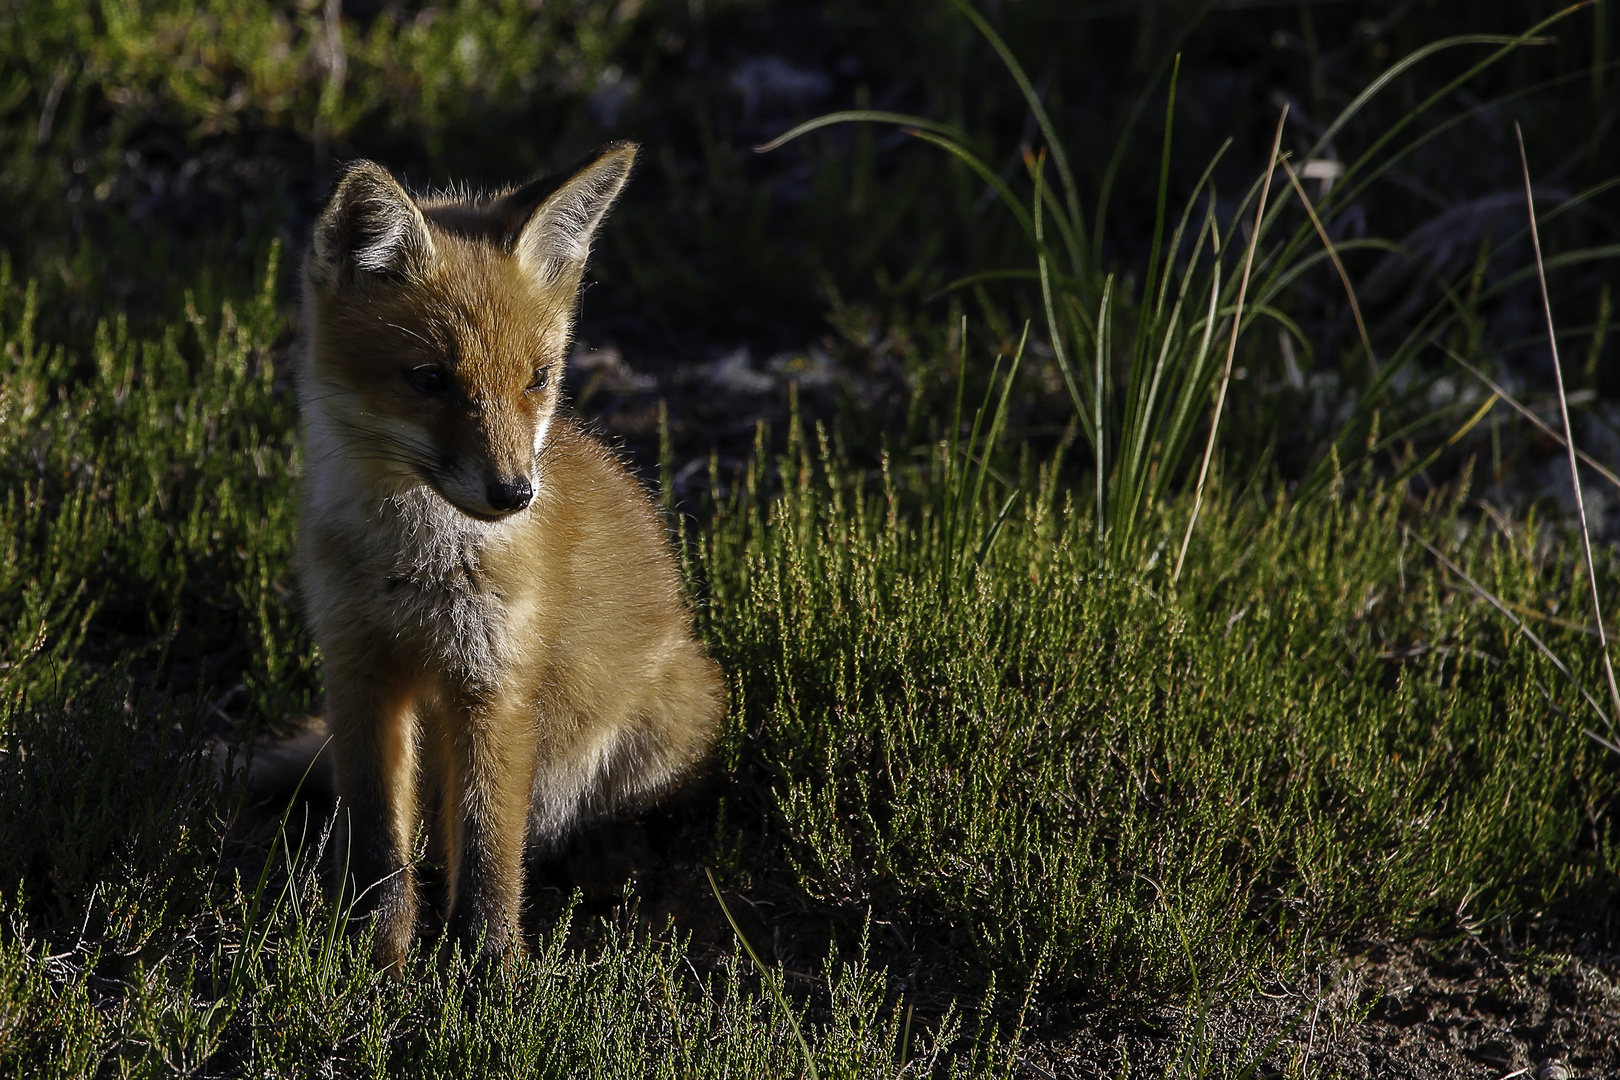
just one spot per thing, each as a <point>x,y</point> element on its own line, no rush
<point>553,222</point>
<point>371,226</point>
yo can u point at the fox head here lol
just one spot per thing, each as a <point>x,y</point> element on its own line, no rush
<point>439,327</point>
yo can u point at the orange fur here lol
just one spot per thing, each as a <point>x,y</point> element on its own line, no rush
<point>503,625</point>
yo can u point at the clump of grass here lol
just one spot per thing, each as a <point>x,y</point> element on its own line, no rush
<point>150,485</point>
<point>1138,369</point>
<point>141,933</point>
<point>1064,766</point>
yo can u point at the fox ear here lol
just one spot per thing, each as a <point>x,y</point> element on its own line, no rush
<point>552,223</point>
<point>370,225</point>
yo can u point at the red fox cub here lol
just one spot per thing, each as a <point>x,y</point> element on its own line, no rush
<point>507,648</point>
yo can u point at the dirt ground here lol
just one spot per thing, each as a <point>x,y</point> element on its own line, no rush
<point>1539,999</point>
<point>1424,1009</point>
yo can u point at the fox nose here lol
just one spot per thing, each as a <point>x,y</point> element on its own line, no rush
<point>509,495</point>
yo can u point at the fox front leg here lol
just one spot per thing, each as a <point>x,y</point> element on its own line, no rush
<point>374,750</point>
<point>494,752</point>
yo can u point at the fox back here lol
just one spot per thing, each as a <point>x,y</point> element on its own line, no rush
<point>507,648</point>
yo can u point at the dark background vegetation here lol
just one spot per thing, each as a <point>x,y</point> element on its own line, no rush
<point>176,141</point>
<point>142,149</point>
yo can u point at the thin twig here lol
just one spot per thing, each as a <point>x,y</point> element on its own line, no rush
<point>1231,346</point>
<point>1569,434</point>
<point>1600,740</point>
<point>1541,616</point>
<point>1529,415</point>
<point>1349,290</point>
<point>1489,598</point>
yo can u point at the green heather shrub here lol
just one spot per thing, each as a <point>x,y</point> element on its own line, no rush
<point>208,65</point>
<point>1103,777</point>
<point>1079,775</point>
<point>147,925</point>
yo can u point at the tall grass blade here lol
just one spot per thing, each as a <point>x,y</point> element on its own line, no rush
<point>998,424</point>
<point>1338,264</point>
<point>1353,183</point>
<point>967,469</point>
<point>1071,192</point>
<point>945,136</point>
<point>1600,740</point>
<point>1541,646</point>
<point>1189,400</point>
<point>1417,466</point>
<point>1153,439</point>
<point>845,116</point>
<point>766,977</point>
<point>998,421</point>
<point>1569,434</point>
<point>1529,414</point>
<point>1507,42</point>
<point>951,478</point>
<point>1099,389</point>
<point>984,172</point>
<point>1231,348</point>
<point>1116,159</point>
<point>1053,330</point>
<point>1154,253</point>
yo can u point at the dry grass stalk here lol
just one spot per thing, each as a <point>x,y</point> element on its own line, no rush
<point>1569,434</point>
<point>1491,599</point>
<point>1231,346</point>
<point>1525,411</point>
<point>1333,253</point>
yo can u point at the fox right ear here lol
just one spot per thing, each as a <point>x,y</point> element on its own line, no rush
<point>551,221</point>
<point>370,225</point>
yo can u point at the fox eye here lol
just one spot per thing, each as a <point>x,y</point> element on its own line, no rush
<point>542,377</point>
<point>428,378</point>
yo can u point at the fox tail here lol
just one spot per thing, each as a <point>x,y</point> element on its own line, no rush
<point>299,765</point>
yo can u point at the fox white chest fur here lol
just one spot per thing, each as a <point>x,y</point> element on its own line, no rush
<point>413,574</point>
<point>507,649</point>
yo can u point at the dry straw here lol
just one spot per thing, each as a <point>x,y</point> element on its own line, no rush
<point>1231,346</point>
<point>1569,435</point>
